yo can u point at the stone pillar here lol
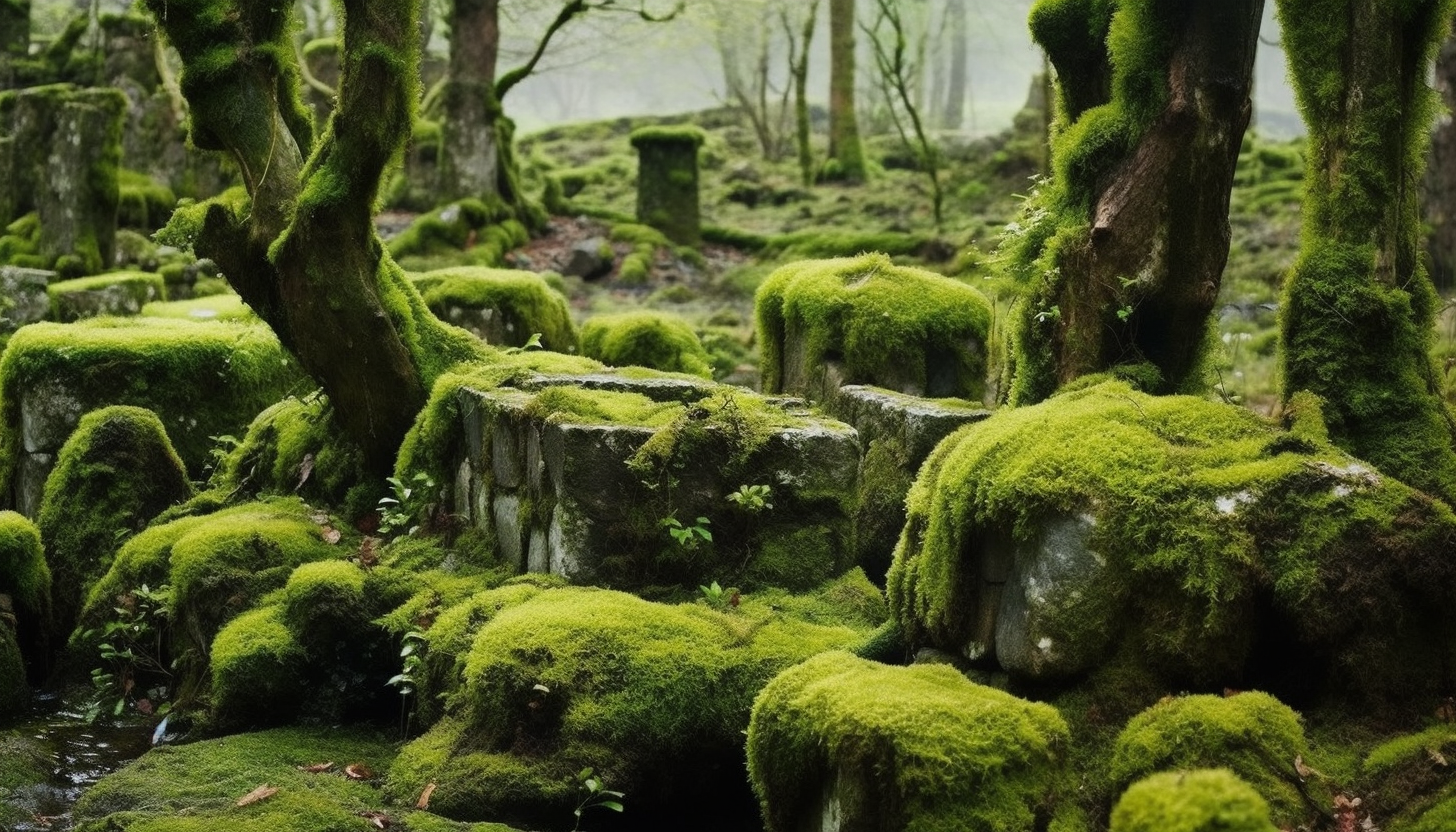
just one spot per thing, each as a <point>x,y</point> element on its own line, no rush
<point>14,38</point>
<point>667,181</point>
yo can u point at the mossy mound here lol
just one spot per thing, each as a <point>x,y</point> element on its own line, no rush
<point>294,447</point>
<point>900,748</point>
<point>658,340</point>
<point>1410,782</point>
<point>1181,530</point>
<point>114,293</point>
<point>1206,800</point>
<point>897,327</point>
<point>197,787</point>
<point>653,697</point>
<point>317,644</point>
<point>202,380</point>
<point>226,306</point>
<point>14,691</point>
<point>1253,734</point>
<point>24,761</point>
<point>217,566</point>
<point>485,232</point>
<point>116,472</point>
<point>25,579</point>
<point>144,202</point>
<point>515,305</point>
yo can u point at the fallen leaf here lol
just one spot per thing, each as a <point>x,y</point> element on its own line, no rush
<point>1446,711</point>
<point>317,768</point>
<point>424,801</point>
<point>144,705</point>
<point>369,552</point>
<point>332,535</point>
<point>378,820</point>
<point>320,518</point>
<point>358,771</point>
<point>1437,758</point>
<point>305,468</point>
<point>263,792</point>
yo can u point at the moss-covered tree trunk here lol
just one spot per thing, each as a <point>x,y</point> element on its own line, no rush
<point>1127,248</point>
<point>469,161</point>
<point>300,246</point>
<point>846,155</point>
<point>1358,306</point>
<point>1439,196</point>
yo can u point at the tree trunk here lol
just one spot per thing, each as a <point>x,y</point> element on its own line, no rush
<point>1358,309</point>
<point>469,155</point>
<point>1439,204</point>
<point>955,97</point>
<point>845,151</point>
<point>1141,197</point>
<point>301,248</point>
<point>14,38</point>
<point>800,73</point>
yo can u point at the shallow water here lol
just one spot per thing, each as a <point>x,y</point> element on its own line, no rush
<point>78,754</point>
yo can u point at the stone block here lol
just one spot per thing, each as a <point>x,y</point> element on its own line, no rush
<point>23,298</point>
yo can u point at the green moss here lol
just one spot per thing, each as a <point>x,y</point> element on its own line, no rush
<point>197,786</point>
<point>668,134</point>
<point>652,696</point>
<point>904,748</point>
<point>1197,509</point>
<point>14,690</point>
<point>115,473</point>
<point>523,300</point>
<point>886,323</point>
<point>1252,734</point>
<point>645,339</point>
<point>258,671</point>
<point>456,226</point>
<point>24,574</point>
<point>226,307</point>
<point>1406,781</point>
<point>117,293</point>
<point>821,243</point>
<point>202,380</point>
<point>1206,800</point>
<point>145,203</point>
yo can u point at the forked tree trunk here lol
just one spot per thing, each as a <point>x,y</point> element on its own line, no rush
<point>1142,193</point>
<point>1358,309</point>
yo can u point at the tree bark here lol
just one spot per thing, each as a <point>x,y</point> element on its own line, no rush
<point>1142,205</point>
<point>1359,305</point>
<point>845,150</point>
<point>469,156</point>
<point>1439,203</point>
<point>955,96</point>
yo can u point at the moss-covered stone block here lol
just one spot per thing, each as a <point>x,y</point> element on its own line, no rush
<point>653,697</point>
<point>657,340</point>
<point>201,379</point>
<point>864,320</point>
<point>25,590</point>
<point>23,297</point>
<point>115,473</point>
<point>851,744</point>
<point>1252,734</point>
<point>143,203</point>
<point>584,476</point>
<point>226,307</point>
<point>1177,529</point>
<point>1410,783</point>
<point>62,155</point>
<point>1204,800</point>
<point>501,306</point>
<point>118,293</point>
<point>667,181</point>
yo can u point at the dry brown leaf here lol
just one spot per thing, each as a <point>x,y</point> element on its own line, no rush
<point>317,768</point>
<point>424,801</point>
<point>305,468</point>
<point>358,771</point>
<point>263,792</point>
<point>332,535</point>
<point>1436,757</point>
<point>1304,771</point>
<point>378,820</point>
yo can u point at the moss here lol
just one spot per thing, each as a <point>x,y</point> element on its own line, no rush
<point>458,226</point>
<point>1252,734</point>
<point>821,244</point>
<point>1198,508</point>
<point>118,293</point>
<point>645,339</point>
<point>668,134</point>
<point>24,574</point>
<point>1408,781</point>
<point>654,697</point>
<point>904,748</point>
<point>523,301</point>
<point>202,380</point>
<point>886,323</point>
<point>145,203</point>
<point>197,786</point>
<point>1206,800</point>
<point>14,691</point>
<point>115,473</point>
<point>225,307</point>
<point>295,447</point>
<point>258,671</point>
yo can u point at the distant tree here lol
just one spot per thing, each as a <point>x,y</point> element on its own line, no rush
<point>846,154</point>
<point>1358,305</point>
<point>958,75</point>
<point>896,73</point>
<point>1439,194</point>
<point>1125,248</point>
<point>799,70</point>
<point>751,36</point>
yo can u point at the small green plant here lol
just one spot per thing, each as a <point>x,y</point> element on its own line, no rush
<point>401,514</point>
<point>719,598</point>
<point>411,654</point>
<point>532,343</point>
<point>131,651</point>
<point>597,796</point>
<point>752,498</point>
<point>688,537</point>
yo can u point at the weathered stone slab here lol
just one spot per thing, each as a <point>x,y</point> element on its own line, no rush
<point>23,298</point>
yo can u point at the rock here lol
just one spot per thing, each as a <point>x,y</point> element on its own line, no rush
<point>119,294</point>
<point>24,298</point>
<point>588,259</point>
